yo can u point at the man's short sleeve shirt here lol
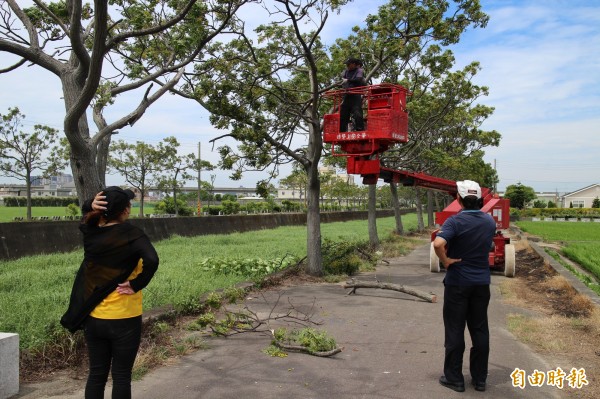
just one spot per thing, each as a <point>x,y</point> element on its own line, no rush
<point>469,237</point>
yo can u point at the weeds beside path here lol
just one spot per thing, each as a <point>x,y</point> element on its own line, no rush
<point>34,290</point>
<point>172,335</point>
<point>580,242</point>
<point>561,324</point>
<point>556,323</point>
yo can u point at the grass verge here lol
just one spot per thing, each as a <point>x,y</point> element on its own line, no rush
<point>580,241</point>
<point>9,213</point>
<point>34,290</point>
<point>584,278</point>
<point>560,323</point>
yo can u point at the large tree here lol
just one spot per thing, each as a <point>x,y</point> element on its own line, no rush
<point>296,181</point>
<point>137,164</point>
<point>175,169</point>
<point>445,135</point>
<point>267,90</point>
<point>404,43</point>
<point>21,153</point>
<point>519,195</point>
<point>102,50</point>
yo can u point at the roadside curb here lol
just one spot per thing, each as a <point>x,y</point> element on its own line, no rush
<point>574,281</point>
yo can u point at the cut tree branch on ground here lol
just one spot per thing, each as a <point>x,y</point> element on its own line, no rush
<point>247,320</point>
<point>303,349</point>
<point>369,257</point>
<point>355,284</point>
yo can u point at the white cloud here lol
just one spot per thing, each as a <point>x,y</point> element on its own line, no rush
<point>539,59</point>
<point>559,156</point>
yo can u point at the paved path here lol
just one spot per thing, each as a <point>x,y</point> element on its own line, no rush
<point>393,349</point>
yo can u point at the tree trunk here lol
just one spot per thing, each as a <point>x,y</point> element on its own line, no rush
<point>396,204</point>
<point>103,146</point>
<point>102,158</point>
<point>419,206</point>
<point>83,154</point>
<point>28,185</point>
<point>87,182</point>
<point>175,200</point>
<point>430,219</point>
<point>372,213</point>
<point>313,223</point>
<point>142,195</point>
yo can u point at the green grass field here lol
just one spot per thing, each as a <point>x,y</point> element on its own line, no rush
<point>34,290</point>
<point>562,231</point>
<point>8,214</point>
<point>581,240</point>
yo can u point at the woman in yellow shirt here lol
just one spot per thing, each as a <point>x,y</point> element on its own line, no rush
<point>106,300</point>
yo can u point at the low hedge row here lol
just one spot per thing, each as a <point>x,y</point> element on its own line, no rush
<point>557,212</point>
<point>40,201</point>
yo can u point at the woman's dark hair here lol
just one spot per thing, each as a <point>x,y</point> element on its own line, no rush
<point>117,201</point>
<point>92,218</point>
<point>471,203</point>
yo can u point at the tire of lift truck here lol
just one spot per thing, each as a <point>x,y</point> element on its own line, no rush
<point>509,260</point>
<point>434,260</point>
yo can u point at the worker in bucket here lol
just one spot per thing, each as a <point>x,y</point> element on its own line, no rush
<point>353,76</point>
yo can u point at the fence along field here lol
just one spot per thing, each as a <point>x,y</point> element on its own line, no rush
<point>34,290</point>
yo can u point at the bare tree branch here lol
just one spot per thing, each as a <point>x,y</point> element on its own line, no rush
<point>14,66</point>
<point>136,114</point>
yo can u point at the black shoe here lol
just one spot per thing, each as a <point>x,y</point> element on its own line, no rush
<point>455,386</point>
<point>479,386</point>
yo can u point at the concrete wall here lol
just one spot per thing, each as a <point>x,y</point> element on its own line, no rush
<point>18,239</point>
<point>9,365</point>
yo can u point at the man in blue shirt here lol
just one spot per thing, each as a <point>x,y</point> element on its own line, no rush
<point>462,245</point>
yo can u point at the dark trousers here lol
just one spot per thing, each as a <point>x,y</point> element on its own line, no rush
<point>466,305</point>
<point>351,105</point>
<point>111,343</point>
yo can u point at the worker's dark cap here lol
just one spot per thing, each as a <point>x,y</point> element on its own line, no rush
<point>117,199</point>
<point>353,60</point>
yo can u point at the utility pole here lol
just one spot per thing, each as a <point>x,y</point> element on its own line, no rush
<point>495,181</point>
<point>199,180</point>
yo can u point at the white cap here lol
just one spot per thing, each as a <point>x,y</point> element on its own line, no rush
<point>468,187</point>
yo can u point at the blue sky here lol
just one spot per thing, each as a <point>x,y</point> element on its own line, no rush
<point>540,60</point>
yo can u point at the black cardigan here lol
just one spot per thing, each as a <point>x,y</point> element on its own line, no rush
<point>110,255</point>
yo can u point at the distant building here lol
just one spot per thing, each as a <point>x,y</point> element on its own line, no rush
<point>341,176</point>
<point>20,190</point>
<point>295,193</point>
<point>290,194</point>
<point>54,186</point>
<point>582,198</point>
<point>59,180</point>
<point>548,197</point>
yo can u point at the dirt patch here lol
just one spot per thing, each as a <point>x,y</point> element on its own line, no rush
<point>539,287</point>
<point>565,327</point>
